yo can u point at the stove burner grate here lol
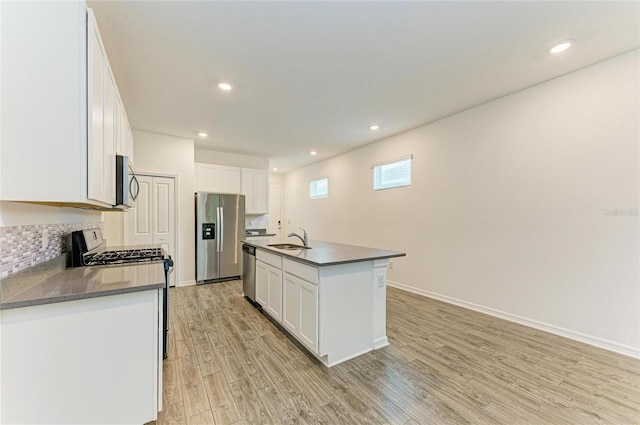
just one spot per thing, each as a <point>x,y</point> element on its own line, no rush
<point>125,256</point>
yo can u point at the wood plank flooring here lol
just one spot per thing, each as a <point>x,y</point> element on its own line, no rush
<point>229,364</point>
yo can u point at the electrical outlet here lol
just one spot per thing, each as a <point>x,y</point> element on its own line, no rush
<point>380,280</point>
<point>390,265</point>
<point>45,238</point>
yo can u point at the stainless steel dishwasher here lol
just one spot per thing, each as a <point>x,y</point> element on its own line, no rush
<point>249,271</point>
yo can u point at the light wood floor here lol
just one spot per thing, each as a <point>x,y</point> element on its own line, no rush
<point>229,364</point>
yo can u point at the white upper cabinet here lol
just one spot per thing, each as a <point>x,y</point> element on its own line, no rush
<point>255,187</point>
<point>124,137</point>
<point>59,109</point>
<point>102,123</point>
<point>254,184</point>
<point>217,178</point>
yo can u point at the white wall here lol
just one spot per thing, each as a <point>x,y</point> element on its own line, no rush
<point>525,207</point>
<point>168,155</point>
<point>230,159</point>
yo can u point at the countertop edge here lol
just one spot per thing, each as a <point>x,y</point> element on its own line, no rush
<point>332,263</point>
<point>336,263</point>
<point>8,305</point>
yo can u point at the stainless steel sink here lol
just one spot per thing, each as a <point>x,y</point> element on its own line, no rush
<point>288,246</point>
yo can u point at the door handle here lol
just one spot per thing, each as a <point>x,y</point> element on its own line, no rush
<point>218,229</point>
<point>221,227</point>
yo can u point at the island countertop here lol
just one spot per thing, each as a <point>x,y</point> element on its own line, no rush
<point>79,283</point>
<point>324,253</point>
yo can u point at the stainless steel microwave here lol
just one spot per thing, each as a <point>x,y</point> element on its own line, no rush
<point>127,186</point>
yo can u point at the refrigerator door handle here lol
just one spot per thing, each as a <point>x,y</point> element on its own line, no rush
<point>221,227</point>
<point>218,232</point>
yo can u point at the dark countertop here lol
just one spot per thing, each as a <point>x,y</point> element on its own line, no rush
<point>327,253</point>
<point>45,285</point>
<point>258,232</point>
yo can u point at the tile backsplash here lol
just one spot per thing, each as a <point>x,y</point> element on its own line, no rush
<point>22,246</point>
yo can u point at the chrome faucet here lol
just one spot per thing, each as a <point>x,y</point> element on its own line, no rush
<point>304,239</point>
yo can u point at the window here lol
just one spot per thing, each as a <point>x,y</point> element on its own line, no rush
<point>392,174</point>
<point>319,188</point>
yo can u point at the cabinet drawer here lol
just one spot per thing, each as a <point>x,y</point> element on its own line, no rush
<point>266,257</point>
<point>308,273</point>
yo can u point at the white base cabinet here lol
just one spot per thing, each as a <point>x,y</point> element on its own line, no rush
<point>338,312</point>
<point>269,283</point>
<point>97,360</point>
<point>300,310</point>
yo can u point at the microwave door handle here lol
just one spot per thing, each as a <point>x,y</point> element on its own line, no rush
<point>134,194</point>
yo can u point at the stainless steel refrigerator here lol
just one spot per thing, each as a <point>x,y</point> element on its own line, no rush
<point>219,229</point>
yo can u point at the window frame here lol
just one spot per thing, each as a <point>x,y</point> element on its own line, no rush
<point>378,166</point>
<point>311,182</point>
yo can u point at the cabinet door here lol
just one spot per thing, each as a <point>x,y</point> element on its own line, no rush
<point>96,80</point>
<point>262,284</point>
<point>129,143</point>
<point>101,134</point>
<point>124,141</point>
<point>88,346</point>
<point>255,187</point>
<point>230,180</point>
<point>261,192</point>
<point>308,315</point>
<point>207,178</point>
<point>291,304</point>
<point>300,310</point>
<point>218,179</point>
<point>248,190</point>
<point>274,302</point>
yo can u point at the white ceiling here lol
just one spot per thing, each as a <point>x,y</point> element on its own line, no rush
<point>314,75</point>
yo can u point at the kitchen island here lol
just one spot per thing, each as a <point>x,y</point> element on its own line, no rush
<point>330,297</point>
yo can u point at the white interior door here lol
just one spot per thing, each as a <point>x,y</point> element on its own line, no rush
<point>152,218</point>
<point>163,207</point>
<point>138,227</point>
<point>275,209</point>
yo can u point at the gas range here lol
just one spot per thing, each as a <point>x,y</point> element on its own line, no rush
<point>125,256</point>
<point>88,248</point>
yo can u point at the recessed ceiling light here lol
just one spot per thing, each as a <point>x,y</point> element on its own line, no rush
<point>275,168</point>
<point>374,127</point>
<point>202,134</point>
<point>225,86</point>
<point>560,47</point>
<point>313,153</point>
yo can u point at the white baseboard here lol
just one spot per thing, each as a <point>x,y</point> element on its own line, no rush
<point>567,333</point>
<point>380,343</point>
<point>186,283</point>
